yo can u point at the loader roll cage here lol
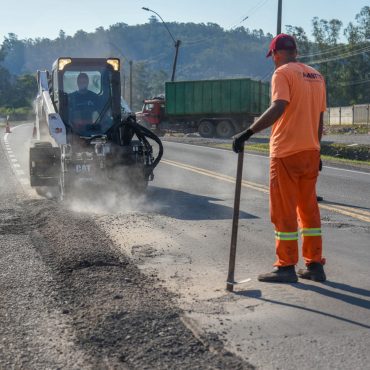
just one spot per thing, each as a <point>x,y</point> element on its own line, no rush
<point>85,131</point>
<point>92,110</point>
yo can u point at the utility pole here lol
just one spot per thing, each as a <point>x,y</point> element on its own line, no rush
<point>177,45</point>
<point>130,62</point>
<point>280,6</point>
<point>123,86</point>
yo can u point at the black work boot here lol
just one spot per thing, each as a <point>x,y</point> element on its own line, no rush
<point>314,271</point>
<point>280,274</point>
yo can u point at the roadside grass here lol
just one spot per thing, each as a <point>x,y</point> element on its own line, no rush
<point>264,148</point>
<point>346,129</point>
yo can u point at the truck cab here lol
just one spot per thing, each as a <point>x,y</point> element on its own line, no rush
<point>152,113</point>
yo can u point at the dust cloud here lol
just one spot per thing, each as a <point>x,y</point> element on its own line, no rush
<point>122,194</point>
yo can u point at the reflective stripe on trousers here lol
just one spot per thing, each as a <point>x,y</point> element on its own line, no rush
<point>280,235</point>
<point>311,232</point>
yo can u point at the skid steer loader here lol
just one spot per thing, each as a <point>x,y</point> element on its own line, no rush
<point>85,131</point>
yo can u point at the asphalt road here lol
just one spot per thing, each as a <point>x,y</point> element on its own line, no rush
<point>181,232</point>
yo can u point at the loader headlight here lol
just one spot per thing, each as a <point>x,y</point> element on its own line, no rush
<point>114,63</point>
<point>63,62</point>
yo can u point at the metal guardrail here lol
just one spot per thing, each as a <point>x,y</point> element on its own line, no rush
<point>350,115</point>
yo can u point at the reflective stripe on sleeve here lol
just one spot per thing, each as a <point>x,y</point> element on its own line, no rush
<point>280,235</point>
<point>311,232</point>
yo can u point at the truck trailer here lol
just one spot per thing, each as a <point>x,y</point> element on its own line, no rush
<point>214,108</point>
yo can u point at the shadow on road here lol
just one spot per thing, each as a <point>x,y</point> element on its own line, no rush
<point>348,288</point>
<point>187,206</point>
<point>257,294</point>
<point>343,204</point>
<point>339,296</point>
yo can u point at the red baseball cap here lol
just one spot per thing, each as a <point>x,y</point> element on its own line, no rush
<point>282,42</point>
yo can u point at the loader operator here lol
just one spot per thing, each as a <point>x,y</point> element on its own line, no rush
<point>298,101</point>
<point>82,103</point>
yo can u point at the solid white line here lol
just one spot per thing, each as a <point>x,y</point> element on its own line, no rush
<point>23,124</point>
<point>342,169</point>
<point>6,137</point>
<point>262,156</point>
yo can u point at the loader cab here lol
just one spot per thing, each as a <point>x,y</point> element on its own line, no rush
<point>86,94</point>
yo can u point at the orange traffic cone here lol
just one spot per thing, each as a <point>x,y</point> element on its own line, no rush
<point>34,132</point>
<point>7,127</point>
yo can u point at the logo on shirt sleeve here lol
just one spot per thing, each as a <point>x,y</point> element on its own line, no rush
<point>312,76</point>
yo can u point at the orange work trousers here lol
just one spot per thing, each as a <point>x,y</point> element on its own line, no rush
<point>293,203</point>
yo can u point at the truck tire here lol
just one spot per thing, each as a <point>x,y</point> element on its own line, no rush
<point>224,129</point>
<point>207,129</point>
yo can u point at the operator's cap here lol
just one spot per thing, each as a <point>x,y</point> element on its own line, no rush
<point>282,42</point>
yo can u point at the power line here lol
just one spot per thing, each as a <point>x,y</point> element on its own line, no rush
<point>350,83</point>
<point>250,12</point>
<point>267,75</point>
<point>342,56</point>
<point>331,50</point>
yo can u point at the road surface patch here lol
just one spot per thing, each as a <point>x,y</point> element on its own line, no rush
<point>359,214</point>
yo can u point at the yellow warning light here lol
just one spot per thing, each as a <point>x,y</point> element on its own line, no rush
<point>63,62</point>
<point>114,63</point>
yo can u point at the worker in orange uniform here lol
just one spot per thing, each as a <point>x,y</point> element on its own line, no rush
<point>296,114</point>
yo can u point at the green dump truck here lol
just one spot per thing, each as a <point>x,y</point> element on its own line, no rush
<point>214,108</point>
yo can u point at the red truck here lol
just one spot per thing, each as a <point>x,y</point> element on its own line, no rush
<point>214,108</point>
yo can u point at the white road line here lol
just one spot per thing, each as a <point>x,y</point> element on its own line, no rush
<point>14,163</point>
<point>342,169</point>
<point>263,156</point>
<point>23,124</point>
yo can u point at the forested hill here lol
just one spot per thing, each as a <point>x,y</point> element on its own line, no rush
<point>206,51</point>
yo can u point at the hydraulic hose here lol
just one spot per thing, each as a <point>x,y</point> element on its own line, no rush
<point>143,133</point>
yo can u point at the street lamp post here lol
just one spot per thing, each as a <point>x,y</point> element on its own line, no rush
<point>177,43</point>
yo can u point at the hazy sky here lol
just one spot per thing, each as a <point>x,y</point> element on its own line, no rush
<point>44,18</point>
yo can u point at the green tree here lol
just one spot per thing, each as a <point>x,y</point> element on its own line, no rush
<point>301,38</point>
